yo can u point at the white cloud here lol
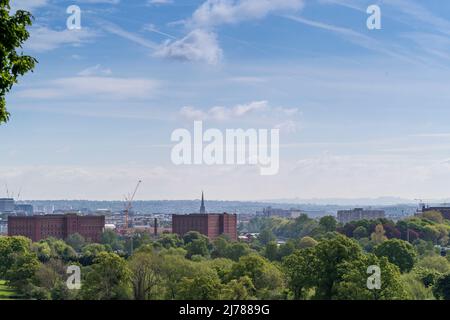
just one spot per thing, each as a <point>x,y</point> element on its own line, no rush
<point>317,176</point>
<point>288,126</point>
<point>100,1</point>
<point>248,80</point>
<point>222,113</point>
<point>198,45</point>
<point>216,12</point>
<point>201,43</point>
<point>100,87</point>
<point>28,5</point>
<point>159,2</point>
<point>262,109</point>
<point>44,39</point>
<point>356,38</point>
<point>95,71</point>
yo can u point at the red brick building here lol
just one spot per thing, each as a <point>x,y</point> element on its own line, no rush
<point>58,226</point>
<point>211,225</point>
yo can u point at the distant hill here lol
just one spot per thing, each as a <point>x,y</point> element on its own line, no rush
<point>381,201</point>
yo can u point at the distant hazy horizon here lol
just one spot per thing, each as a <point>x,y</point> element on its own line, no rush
<point>384,201</point>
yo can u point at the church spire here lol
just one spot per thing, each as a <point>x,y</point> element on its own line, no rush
<point>202,206</point>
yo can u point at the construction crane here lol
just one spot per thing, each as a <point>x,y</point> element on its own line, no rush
<point>129,203</point>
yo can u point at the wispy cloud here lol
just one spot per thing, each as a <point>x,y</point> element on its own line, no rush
<point>158,2</point>
<point>28,5</point>
<point>100,87</point>
<point>420,13</point>
<point>99,1</point>
<point>282,118</point>
<point>198,45</point>
<point>118,31</point>
<point>45,39</point>
<point>217,12</point>
<point>355,37</point>
<point>95,71</point>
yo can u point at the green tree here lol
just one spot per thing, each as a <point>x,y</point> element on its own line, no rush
<point>220,247</point>
<point>236,250</point>
<point>90,252</point>
<point>43,251</point>
<point>437,263</point>
<point>434,216</point>
<point>146,274</point>
<point>353,276</point>
<point>170,240</point>
<point>20,274</point>
<point>398,252</point>
<point>60,249</point>
<point>415,287</point>
<point>427,276</point>
<point>76,241</point>
<point>193,235</point>
<point>360,232</point>
<point>286,249</point>
<point>13,33</point>
<point>174,268</point>
<point>266,236</point>
<point>271,251</point>
<point>10,247</point>
<point>238,289</point>
<point>442,287</point>
<point>299,269</point>
<point>205,286</point>
<point>307,242</point>
<point>329,255</point>
<point>222,267</point>
<point>266,277</point>
<point>111,239</point>
<point>328,223</point>
<point>197,247</point>
<point>108,279</point>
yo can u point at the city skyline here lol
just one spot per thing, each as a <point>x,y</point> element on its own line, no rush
<point>362,113</point>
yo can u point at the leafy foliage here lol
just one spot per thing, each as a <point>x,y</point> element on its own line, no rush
<point>13,33</point>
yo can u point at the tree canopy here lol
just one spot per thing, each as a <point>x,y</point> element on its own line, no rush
<point>13,63</point>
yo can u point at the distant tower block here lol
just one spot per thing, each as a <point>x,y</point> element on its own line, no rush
<point>202,206</point>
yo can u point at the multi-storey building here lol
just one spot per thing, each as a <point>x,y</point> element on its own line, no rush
<point>7,205</point>
<point>345,216</point>
<point>58,226</point>
<point>276,212</point>
<point>211,225</point>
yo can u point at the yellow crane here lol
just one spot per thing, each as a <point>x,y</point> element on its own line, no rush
<point>129,204</point>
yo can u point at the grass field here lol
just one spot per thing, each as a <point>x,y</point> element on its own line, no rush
<point>6,293</point>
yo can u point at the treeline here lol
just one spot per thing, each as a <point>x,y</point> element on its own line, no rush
<point>322,261</point>
<point>430,227</point>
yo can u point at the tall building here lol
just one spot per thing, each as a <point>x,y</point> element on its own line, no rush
<point>58,226</point>
<point>202,206</point>
<point>6,205</point>
<point>345,216</point>
<point>275,212</point>
<point>211,225</point>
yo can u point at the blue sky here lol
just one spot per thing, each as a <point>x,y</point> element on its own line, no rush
<point>362,113</point>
